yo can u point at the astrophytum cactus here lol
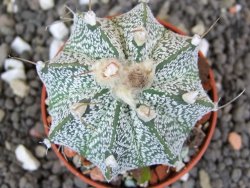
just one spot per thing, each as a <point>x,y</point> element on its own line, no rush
<point>124,92</point>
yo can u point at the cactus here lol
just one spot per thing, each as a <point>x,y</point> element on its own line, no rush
<point>124,92</point>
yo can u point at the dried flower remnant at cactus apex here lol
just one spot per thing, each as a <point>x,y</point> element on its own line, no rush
<point>124,92</point>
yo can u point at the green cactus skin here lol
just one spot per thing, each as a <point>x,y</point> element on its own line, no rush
<point>130,120</point>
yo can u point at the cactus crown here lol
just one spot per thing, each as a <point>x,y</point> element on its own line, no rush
<point>124,92</point>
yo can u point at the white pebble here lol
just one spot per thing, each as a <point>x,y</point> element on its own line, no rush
<point>46,4</point>
<point>19,88</point>
<point>20,46</point>
<point>179,165</point>
<point>59,30</point>
<point>185,177</point>
<point>86,2</point>
<point>55,47</point>
<point>13,74</point>
<point>238,7</point>
<point>13,64</point>
<point>204,47</point>
<point>110,161</point>
<point>83,2</point>
<point>190,97</point>
<point>29,162</point>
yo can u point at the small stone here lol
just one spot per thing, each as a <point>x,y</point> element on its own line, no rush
<point>86,2</point>
<point>13,74</point>
<point>20,46</point>
<point>96,174</point>
<point>9,104</point>
<point>2,114</point>
<point>8,145</point>
<point>164,10</point>
<point>236,175</point>
<point>227,3</point>
<point>238,113</point>
<point>235,9</point>
<point>235,140</point>
<point>33,5</point>
<point>198,29</point>
<point>59,30</point>
<point>29,162</point>
<point>204,2</point>
<point>19,87</point>
<point>6,21</point>
<point>105,1</point>
<point>204,179</point>
<point>13,64</point>
<point>79,183</point>
<point>40,151</point>
<point>185,177</point>
<point>204,47</point>
<point>68,183</point>
<point>46,4</point>
<point>162,172</point>
<point>57,167</point>
<point>115,10</point>
<point>77,161</point>
<point>189,183</point>
<point>176,185</point>
<point>179,165</point>
<point>129,182</point>
<point>190,97</point>
<point>3,53</point>
<point>144,1</point>
<point>55,46</point>
<point>68,152</point>
<point>86,163</point>
<point>218,183</point>
<point>11,6</point>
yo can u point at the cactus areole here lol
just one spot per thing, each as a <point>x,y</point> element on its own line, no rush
<point>124,92</point>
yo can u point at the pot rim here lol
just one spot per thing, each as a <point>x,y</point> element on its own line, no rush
<point>169,180</point>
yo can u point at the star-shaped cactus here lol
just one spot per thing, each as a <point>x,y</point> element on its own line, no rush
<point>124,92</point>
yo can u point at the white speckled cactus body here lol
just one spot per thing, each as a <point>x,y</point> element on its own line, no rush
<point>124,92</point>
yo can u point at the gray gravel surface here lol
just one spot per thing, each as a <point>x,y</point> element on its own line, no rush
<point>229,54</point>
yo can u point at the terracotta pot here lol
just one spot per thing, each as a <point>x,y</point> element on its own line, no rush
<point>172,177</point>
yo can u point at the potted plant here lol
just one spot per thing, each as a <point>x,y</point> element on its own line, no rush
<point>124,93</point>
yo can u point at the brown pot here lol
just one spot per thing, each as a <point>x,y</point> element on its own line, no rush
<point>172,177</point>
